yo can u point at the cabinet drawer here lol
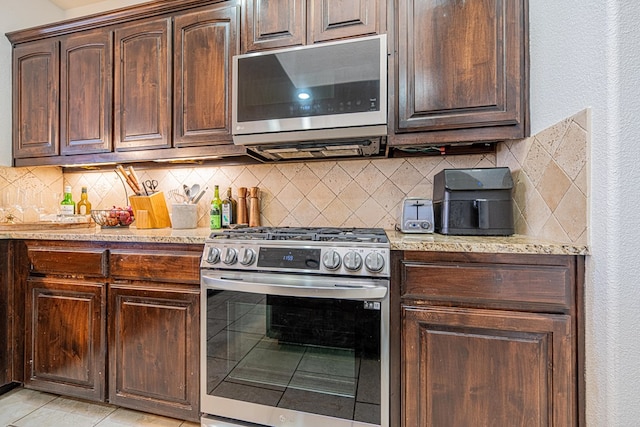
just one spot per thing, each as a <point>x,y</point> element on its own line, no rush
<point>494,285</point>
<point>74,261</point>
<point>161,265</point>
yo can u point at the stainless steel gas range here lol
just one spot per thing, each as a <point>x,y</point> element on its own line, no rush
<point>295,327</point>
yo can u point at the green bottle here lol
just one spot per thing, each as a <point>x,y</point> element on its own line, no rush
<point>67,205</point>
<point>216,209</point>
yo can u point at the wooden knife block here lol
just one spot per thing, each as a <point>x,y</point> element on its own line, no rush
<point>156,207</point>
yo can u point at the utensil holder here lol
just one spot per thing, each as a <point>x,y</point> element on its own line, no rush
<point>184,216</point>
<point>156,207</point>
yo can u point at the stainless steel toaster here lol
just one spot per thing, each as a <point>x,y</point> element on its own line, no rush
<point>417,215</point>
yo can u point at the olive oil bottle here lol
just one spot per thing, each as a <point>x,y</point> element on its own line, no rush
<point>84,205</point>
<point>229,209</point>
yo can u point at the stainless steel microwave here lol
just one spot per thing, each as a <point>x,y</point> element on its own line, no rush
<point>328,91</point>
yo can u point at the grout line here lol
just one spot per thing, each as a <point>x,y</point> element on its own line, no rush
<point>19,391</point>
<point>105,417</point>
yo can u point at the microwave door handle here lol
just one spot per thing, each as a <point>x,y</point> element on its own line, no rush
<point>332,289</point>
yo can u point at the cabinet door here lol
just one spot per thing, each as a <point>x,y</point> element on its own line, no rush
<point>337,19</point>
<point>5,314</point>
<point>66,337</point>
<point>36,79</point>
<point>269,24</point>
<point>204,44</point>
<point>154,349</point>
<point>142,85</point>
<point>468,367</point>
<point>85,92</point>
<point>463,65</point>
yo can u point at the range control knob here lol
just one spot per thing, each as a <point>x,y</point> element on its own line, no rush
<point>331,259</point>
<point>374,262</point>
<point>248,256</point>
<point>213,256</point>
<point>352,261</point>
<point>230,256</point>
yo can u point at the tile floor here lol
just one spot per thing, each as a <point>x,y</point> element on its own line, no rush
<point>28,408</point>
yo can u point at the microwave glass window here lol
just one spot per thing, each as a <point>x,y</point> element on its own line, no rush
<point>322,80</point>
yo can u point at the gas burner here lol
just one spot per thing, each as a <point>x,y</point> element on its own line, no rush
<point>316,234</point>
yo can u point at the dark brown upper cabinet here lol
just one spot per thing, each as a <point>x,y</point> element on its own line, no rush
<point>462,70</point>
<point>86,86</point>
<point>338,19</point>
<point>268,24</point>
<point>273,24</point>
<point>113,87</point>
<point>142,94</point>
<point>204,43</point>
<point>36,85</point>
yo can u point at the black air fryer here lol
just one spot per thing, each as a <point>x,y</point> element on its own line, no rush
<point>473,202</point>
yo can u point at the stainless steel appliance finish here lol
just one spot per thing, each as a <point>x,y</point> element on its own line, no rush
<point>320,97</point>
<point>417,215</point>
<point>295,323</point>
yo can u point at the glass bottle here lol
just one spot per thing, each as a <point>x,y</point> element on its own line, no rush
<point>67,205</point>
<point>216,210</point>
<point>229,209</point>
<point>84,205</point>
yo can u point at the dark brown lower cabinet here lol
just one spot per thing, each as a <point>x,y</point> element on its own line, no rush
<point>490,340</point>
<point>5,315</point>
<point>153,343</point>
<point>116,322</point>
<point>66,337</point>
<point>483,368</point>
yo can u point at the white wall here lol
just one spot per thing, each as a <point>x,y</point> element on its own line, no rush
<point>584,53</point>
<point>15,15</point>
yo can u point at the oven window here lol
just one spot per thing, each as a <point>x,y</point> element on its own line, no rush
<point>313,355</point>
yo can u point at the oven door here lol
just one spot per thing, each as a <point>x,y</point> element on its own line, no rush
<point>294,350</point>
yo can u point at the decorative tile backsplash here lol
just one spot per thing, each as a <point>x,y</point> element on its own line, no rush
<point>355,193</point>
<point>549,170</point>
<point>27,192</point>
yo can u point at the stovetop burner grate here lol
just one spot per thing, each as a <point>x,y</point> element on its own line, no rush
<point>316,234</point>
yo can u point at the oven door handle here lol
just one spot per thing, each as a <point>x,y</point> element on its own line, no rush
<point>299,286</point>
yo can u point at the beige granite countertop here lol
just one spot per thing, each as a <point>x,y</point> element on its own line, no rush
<point>398,240</point>
<point>130,234</point>
<point>488,244</point>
